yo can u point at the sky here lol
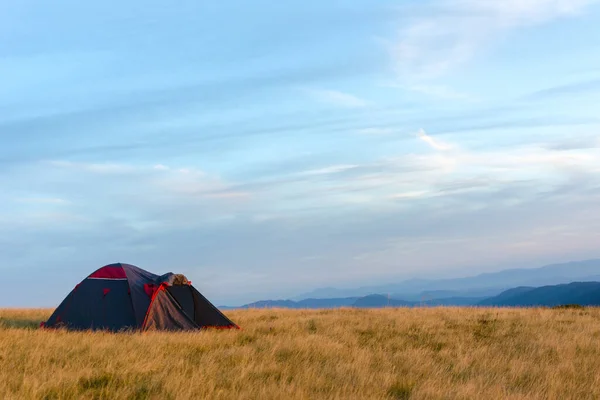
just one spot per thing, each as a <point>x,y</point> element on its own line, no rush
<point>265,149</point>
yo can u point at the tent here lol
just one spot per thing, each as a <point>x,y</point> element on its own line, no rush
<point>124,297</point>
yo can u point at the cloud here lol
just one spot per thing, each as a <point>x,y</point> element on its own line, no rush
<point>430,47</point>
<point>122,188</point>
<point>163,168</point>
<point>42,200</point>
<point>440,91</point>
<point>440,169</point>
<point>569,89</point>
<point>333,169</point>
<point>526,12</point>
<point>99,168</point>
<point>312,228</point>
<point>575,143</point>
<point>436,144</point>
<point>375,131</point>
<point>409,195</point>
<point>338,99</point>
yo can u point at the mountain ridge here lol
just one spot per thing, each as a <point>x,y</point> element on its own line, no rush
<point>579,293</point>
<point>574,293</point>
<point>551,274</point>
<point>451,291</point>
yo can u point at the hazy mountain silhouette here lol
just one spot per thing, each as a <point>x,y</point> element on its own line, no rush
<point>507,295</point>
<point>473,286</point>
<point>508,287</point>
<point>581,293</point>
<point>452,301</point>
<point>433,295</point>
<point>378,300</point>
<point>370,301</point>
<point>305,303</point>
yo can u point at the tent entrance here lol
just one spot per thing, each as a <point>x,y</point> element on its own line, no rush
<point>183,296</point>
<point>197,308</point>
<point>165,313</point>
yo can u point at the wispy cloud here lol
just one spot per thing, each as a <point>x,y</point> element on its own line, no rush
<point>375,131</point>
<point>99,168</point>
<point>574,88</point>
<point>575,143</point>
<point>409,195</point>
<point>176,184</point>
<point>389,208</point>
<point>440,91</point>
<point>436,144</point>
<point>333,169</point>
<point>454,31</point>
<point>42,200</point>
<point>338,98</point>
<point>447,168</point>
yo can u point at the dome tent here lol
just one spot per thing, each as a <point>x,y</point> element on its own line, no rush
<point>124,297</point>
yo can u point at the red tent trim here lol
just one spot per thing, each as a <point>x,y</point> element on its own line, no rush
<point>109,272</point>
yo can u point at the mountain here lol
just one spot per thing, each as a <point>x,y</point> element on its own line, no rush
<point>378,300</point>
<point>494,282</point>
<point>432,295</point>
<point>370,301</point>
<point>326,303</point>
<point>581,293</point>
<point>452,301</point>
<point>271,304</point>
<point>305,303</point>
<point>465,291</point>
<point>507,295</point>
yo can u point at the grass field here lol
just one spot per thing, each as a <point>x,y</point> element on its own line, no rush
<point>428,353</point>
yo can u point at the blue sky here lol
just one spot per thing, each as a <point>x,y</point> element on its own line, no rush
<point>266,149</point>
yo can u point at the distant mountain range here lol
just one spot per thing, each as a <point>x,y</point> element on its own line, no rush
<point>580,293</point>
<point>370,301</point>
<point>567,283</point>
<point>482,285</point>
<point>306,303</point>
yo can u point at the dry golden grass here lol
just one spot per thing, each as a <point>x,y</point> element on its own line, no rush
<point>429,353</point>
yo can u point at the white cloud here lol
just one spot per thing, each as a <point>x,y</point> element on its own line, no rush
<point>444,170</point>
<point>159,180</point>
<point>100,168</point>
<point>436,144</point>
<point>409,195</point>
<point>525,12</point>
<point>376,131</point>
<point>337,98</point>
<point>42,200</point>
<point>440,168</point>
<point>197,184</point>
<point>440,91</point>
<point>333,169</point>
<point>432,46</point>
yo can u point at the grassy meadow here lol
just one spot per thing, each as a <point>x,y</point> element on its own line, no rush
<point>398,353</point>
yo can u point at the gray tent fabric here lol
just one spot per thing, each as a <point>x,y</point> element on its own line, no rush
<point>166,314</point>
<point>198,308</point>
<point>137,278</point>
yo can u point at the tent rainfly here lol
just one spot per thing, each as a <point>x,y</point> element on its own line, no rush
<point>124,297</point>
